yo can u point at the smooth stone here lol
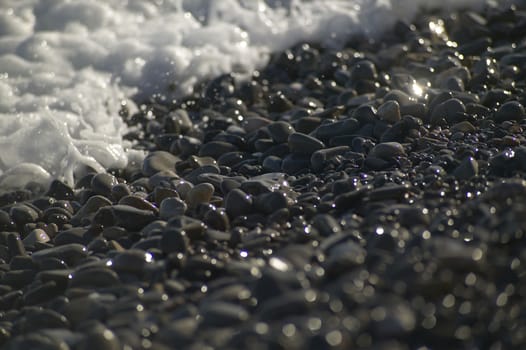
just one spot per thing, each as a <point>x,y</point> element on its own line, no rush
<point>149,244</point>
<point>102,183</point>
<point>464,126</point>
<point>217,219</point>
<point>238,203</point>
<point>272,163</point>
<point>269,182</point>
<point>186,146</point>
<point>88,210</point>
<point>174,241</point>
<point>363,70</point>
<point>389,112</point>
<point>72,235</point>
<point>157,161</point>
<point>466,169</point>
<point>23,214</point>
<point>215,149</point>
<point>206,169</point>
<point>15,245</point>
<point>387,150</point>
<point>268,203</point>
<point>304,144</point>
<point>138,203</point>
<point>447,110</point>
<point>512,110</point>
<point>94,277</point>
<point>131,261</point>
<point>280,131</point>
<point>201,193</point>
<point>71,253</point>
<point>172,207</point>
<point>120,190</point>
<point>59,190</point>
<point>161,193</point>
<point>342,127</point>
<point>130,217</point>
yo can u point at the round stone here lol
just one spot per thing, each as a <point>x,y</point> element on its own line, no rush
<point>102,184</point>
<point>201,193</point>
<point>389,112</point>
<point>280,131</point>
<point>512,110</point>
<point>387,150</point>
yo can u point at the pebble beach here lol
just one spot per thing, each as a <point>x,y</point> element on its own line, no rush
<point>367,196</point>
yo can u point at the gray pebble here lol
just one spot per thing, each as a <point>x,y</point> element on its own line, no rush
<point>304,144</point>
<point>103,183</point>
<point>389,112</point>
<point>158,161</point>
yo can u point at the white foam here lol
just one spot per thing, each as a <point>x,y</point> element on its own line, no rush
<point>65,65</point>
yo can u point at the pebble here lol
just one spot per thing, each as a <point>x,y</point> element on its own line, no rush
<point>71,253</point>
<point>238,203</point>
<point>387,150</point>
<point>389,112</point>
<point>280,131</point>
<point>304,144</point>
<point>103,183</point>
<point>130,217</point>
<point>158,161</point>
<point>172,207</point>
<point>511,110</point>
<point>199,194</point>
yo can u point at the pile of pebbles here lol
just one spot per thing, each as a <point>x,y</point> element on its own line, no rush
<point>371,197</point>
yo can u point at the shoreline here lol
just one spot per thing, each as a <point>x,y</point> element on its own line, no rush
<point>368,197</point>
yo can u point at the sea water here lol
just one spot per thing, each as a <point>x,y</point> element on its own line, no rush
<point>67,66</point>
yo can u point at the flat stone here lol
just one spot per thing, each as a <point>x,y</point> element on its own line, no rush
<point>131,261</point>
<point>157,161</point>
<point>304,144</point>
<point>70,253</point>
<point>94,277</point>
<point>130,217</point>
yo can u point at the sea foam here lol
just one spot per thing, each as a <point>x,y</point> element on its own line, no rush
<point>66,66</point>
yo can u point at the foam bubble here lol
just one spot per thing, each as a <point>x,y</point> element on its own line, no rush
<point>67,64</point>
